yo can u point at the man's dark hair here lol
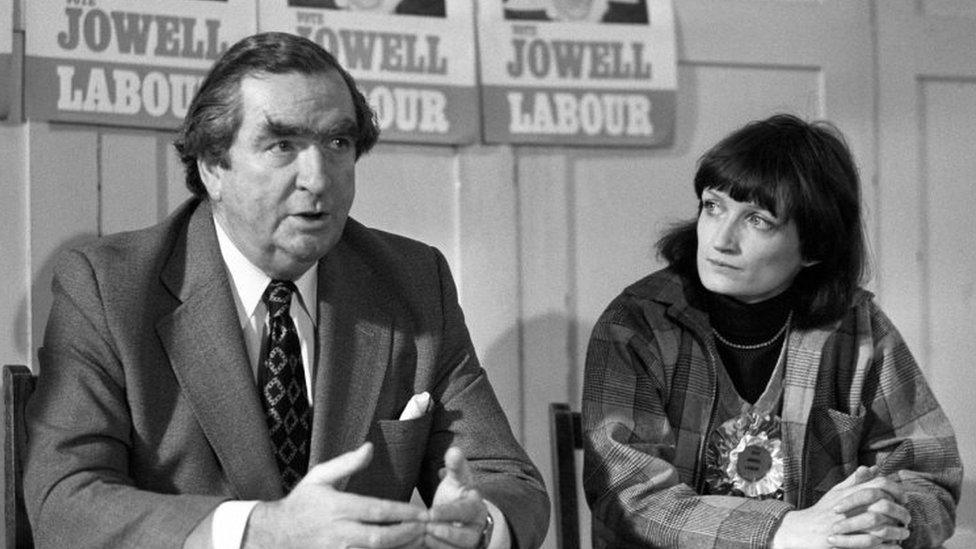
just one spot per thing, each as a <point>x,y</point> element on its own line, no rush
<point>797,170</point>
<point>214,116</point>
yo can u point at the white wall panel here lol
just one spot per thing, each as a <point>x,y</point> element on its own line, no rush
<point>947,184</point>
<point>129,191</point>
<point>547,317</point>
<point>16,345</point>
<point>488,269</point>
<point>410,191</point>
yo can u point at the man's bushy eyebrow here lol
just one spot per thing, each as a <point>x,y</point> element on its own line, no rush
<point>277,128</point>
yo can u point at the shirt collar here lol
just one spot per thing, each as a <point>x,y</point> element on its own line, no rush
<point>249,282</point>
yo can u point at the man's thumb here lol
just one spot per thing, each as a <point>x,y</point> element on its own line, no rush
<point>456,466</point>
<point>340,467</point>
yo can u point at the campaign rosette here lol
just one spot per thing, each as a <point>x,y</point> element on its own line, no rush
<point>744,458</point>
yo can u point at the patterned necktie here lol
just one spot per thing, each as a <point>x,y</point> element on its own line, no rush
<point>281,379</point>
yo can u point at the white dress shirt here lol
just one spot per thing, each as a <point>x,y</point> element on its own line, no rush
<point>248,284</point>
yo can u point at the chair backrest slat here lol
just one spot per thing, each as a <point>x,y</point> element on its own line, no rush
<point>566,437</point>
<point>18,384</point>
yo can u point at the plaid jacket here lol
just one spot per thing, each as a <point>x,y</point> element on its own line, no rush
<point>852,395</point>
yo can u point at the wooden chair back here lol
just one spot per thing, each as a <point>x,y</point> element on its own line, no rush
<point>18,384</point>
<point>566,437</point>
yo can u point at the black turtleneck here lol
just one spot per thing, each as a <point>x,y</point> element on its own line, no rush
<point>749,324</point>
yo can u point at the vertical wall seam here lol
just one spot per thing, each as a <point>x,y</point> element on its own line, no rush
<point>28,253</point>
<point>99,136</point>
<point>922,255</point>
<point>456,225</point>
<point>519,292</point>
<point>572,299</point>
<point>19,66</point>
<point>875,243</point>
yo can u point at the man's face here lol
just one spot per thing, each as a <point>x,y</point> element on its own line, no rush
<point>286,194</point>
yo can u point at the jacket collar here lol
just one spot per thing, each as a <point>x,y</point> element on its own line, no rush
<point>682,298</point>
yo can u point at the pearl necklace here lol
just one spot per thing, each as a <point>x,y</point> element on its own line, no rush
<point>755,346</point>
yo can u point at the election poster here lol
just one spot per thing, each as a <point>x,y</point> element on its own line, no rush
<point>125,62</point>
<point>414,60</point>
<point>6,57</point>
<point>578,72</point>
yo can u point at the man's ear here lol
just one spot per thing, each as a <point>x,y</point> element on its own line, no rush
<point>211,174</point>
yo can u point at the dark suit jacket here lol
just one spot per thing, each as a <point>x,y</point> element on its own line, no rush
<point>146,414</point>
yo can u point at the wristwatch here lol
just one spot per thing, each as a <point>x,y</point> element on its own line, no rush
<point>486,531</point>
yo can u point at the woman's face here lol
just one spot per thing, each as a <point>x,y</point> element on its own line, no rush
<point>744,251</point>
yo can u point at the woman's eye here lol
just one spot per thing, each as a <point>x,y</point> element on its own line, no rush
<point>761,222</point>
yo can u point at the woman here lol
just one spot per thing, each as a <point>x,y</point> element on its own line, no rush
<point>751,394</point>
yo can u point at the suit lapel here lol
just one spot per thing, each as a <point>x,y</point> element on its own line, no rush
<point>355,333</point>
<point>206,349</point>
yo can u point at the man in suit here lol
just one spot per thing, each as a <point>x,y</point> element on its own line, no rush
<point>260,371</point>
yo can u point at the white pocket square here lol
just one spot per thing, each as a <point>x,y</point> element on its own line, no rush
<point>417,407</point>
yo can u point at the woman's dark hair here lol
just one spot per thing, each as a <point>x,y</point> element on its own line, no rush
<point>214,115</point>
<point>797,170</point>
